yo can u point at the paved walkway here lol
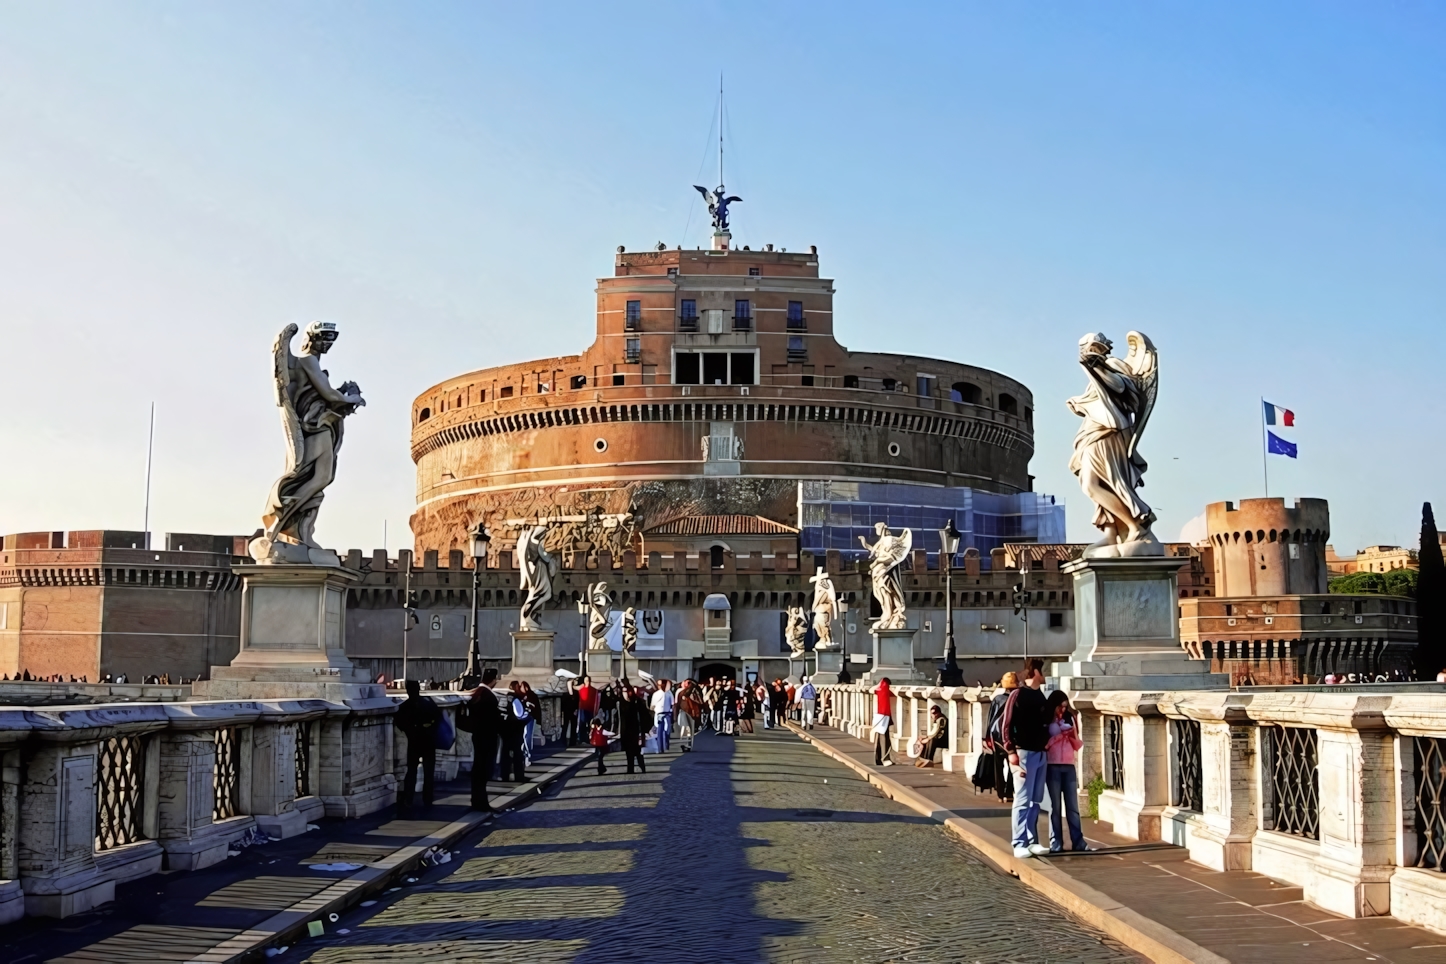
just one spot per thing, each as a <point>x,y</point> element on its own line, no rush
<point>1192,912</point>
<point>748,849</point>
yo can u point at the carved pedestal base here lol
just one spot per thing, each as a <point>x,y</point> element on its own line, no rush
<point>600,666</point>
<point>893,656</point>
<point>830,664</point>
<point>532,657</point>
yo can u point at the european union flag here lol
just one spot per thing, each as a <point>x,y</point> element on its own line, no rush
<point>1276,445</point>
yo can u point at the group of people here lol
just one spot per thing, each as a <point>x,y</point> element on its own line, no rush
<point>25,677</point>
<point>502,723</point>
<point>1031,741</point>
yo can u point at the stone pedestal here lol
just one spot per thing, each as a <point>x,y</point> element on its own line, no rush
<point>293,639</point>
<point>829,664</point>
<point>532,656</point>
<point>1127,631</point>
<point>893,656</point>
<point>600,666</point>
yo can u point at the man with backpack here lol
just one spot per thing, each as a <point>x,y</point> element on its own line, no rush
<point>419,718</point>
<point>1026,734</point>
<point>808,699</point>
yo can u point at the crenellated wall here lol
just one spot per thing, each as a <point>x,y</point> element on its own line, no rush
<point>1264,548</point>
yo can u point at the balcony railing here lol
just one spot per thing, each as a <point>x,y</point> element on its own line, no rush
<point>687,322</point>
<point>742,323</point>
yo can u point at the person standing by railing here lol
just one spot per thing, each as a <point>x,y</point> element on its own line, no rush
<point>689,711</point>
<point>418,717</point>
<point>1026,733</point>
<point>883,721</point>
<point>572,729</point>
<point>533,705</point>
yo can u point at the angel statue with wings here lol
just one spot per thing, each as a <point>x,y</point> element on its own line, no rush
<point>886,557</point>
<point>717,202</point>
<point>599,618</point>
<point>539,568</point>
<point>825,608</point>
<point>1115,407</point>
<point>795,632</point>
<point>311,418</point>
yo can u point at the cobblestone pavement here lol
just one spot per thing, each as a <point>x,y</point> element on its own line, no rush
<point>754,849</point>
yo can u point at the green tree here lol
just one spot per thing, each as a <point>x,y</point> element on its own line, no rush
<point>1430,598</point>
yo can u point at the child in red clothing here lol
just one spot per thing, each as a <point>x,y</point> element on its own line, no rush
<point>599,738</point>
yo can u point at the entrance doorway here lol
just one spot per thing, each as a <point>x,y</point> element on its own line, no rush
<point>716,671</point>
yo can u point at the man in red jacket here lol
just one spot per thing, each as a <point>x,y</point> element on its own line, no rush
<point>587,697</point>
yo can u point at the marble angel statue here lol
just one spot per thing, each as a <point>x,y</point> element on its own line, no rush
<point>825,609</point>
<point>886,558</point>
<point>539,569</point>
<point>599,618</point>
<point>795,632</point>
<point>311,412</point>
<point>1115,407</point>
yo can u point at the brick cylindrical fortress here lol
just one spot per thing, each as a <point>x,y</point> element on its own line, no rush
<point>1265,549</point>
<point>714,386</point>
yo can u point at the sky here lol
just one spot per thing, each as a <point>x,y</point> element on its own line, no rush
<point>1260,188</point>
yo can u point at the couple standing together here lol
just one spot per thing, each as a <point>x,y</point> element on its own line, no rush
<point>1040,736</point>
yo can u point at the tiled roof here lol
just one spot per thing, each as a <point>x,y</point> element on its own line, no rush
<point>720,525</point>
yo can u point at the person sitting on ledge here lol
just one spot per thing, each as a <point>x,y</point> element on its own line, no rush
<point>935,739</point>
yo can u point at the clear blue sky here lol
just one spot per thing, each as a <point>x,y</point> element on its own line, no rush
<point>1259,187</point>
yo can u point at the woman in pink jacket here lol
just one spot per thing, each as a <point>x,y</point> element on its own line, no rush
<point>1061,779</point>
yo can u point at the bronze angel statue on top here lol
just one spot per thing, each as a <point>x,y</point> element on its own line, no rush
<point>717,202</point>
<point>1115,407</point>
<point>312,412</point>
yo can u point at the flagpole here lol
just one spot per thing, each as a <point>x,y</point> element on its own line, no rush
<point>1264,449</point>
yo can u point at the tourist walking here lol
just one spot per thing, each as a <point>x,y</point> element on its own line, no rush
<point>570,717</point>
<point>481,717</point>
<point>662,706</point>
<point>777,701</point>
<point>935,740</point>
<point>883,720</point>
<point>1026,733</point>
<point>808,700</point>
<point>715,704</point>
<point>632,726</point>
<point>689,710</point>
<point>1061,777</point>
<point>728,704</point>
<point>598,738</point>
<point>533,705</point>
<point>514,760</point>
<point>419,718</point>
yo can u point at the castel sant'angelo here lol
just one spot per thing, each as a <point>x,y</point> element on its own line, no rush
<point>713,394</point>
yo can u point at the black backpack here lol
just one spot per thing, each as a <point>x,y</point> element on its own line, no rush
<point>983,778</point>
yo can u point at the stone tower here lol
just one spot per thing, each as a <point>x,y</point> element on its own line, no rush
<point>1265,549</point>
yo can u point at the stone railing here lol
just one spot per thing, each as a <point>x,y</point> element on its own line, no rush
<point>1339,791</point>
<point>96,795</point>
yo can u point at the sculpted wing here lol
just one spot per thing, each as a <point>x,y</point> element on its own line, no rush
<point>898,549</point>
<point>708,195</point>
<point>1144,363</point>
<point>282,360</point>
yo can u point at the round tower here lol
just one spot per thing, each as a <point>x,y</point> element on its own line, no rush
<point>1263,548</point>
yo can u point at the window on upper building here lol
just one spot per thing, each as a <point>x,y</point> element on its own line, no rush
<point>740,368</point>
<point>1007,404</point>
<point>688,311</point>
<point>890,385</point>
<point>851,381</point>
<point>715,557</point>
<point>685,368</point>
<point>424,414</point>
<point>578,381</point>
<point>924,385</point>
<point>966,392</point>
<point>672,272</point>
<point>754,272</point>
<point>506,391</point>
<point>795,314</point>
<point>635,314</point>
<point>619,380</point>
<point>1056,620</point>
<point>795,347</point>
<point>742,314</point>
<point>634,348</point>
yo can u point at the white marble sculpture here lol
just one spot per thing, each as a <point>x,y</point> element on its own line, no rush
<point>630,629</point>
<point>825,608</point>
<point>311,418</point>
<point>599,618</point>
<point>886,559</point>
<point>1115,407</point>
<point>539,569</point>
<point>795,632</point>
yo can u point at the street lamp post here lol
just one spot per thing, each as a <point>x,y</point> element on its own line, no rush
<point>949,673</point>
<point>472,678</point>
<point>843,641</point>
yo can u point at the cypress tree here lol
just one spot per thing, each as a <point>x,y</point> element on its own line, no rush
<point>1430,598</point>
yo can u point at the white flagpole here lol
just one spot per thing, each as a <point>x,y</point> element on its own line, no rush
<point>1264,449</point>
<point>150,449</point>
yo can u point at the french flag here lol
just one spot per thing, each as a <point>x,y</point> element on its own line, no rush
<point>1278,415</point>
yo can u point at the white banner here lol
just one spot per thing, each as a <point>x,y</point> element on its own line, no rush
<point>650,631</point>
